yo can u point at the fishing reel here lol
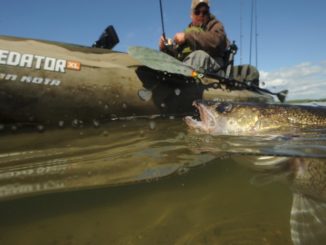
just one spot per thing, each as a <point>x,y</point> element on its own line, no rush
<point>172,48</point>
<point>169,42</point>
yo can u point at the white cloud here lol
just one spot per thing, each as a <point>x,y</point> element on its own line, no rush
<point>304,81</point>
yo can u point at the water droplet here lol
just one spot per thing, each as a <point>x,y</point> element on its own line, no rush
<point>114,117</point>
<point>142,133</point>
<point>215,85</point>
<point>177,92</point>
<point>40,128</point>
<point>162,105</point>
<point>96,123</point>
<point>13,128</point>
<point>183,170</point>
<point>145,94</point>
<point>106,107</point>
<point>61,124</point>
<point>171,117</point>
<point>152,125</point>
<point>180,136</point>
<point>124,106</point>
<point>75,123</point>
<point>207,140</point>
<point>2,127</point>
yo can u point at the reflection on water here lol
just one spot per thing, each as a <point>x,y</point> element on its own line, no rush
<point>92,157</point>
<point>104,185</point>
<point>206,206</point>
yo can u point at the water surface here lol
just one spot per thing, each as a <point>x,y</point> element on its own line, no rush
<point>150,181</point>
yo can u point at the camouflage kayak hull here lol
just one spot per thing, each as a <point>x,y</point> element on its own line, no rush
<point>50,83</point>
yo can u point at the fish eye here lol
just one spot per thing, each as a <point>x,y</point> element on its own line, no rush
<point>224,107</point>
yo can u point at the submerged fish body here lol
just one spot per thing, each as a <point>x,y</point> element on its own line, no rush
<point>226,118</point>
<point>308,213</point>
<point>307,178</point>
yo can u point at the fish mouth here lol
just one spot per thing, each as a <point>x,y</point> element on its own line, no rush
<point>207,120</point>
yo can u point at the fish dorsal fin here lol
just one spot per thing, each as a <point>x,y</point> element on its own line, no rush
<point>308,221</point>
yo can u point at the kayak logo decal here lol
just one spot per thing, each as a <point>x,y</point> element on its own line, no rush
<point>38,62</point>
<point>73,65</point>
<point>30,79</point>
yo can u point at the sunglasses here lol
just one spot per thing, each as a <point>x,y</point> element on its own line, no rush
<point>202,12</point>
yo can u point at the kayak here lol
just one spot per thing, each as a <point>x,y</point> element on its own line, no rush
<point>53,83</point>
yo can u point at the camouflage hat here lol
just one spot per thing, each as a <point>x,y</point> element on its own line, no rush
<point>195,3</point>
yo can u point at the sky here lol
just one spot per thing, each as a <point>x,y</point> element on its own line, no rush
<point>291,34</point>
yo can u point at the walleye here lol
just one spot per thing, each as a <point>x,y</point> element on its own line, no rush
<point>226,118</point>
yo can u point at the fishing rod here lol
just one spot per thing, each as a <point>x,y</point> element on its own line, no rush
<point>169,45</point>
<point>229,82</point>
<point>162,20</point>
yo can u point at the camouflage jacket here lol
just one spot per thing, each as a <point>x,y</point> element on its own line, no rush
<point>212,39</point>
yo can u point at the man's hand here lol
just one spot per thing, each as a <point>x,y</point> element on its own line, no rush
<point>180,38</point>
<point>162,43</point>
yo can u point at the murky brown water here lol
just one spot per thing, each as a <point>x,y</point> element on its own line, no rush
<point>151,182</point>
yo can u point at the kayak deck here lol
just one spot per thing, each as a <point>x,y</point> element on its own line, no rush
<point>47,82</point>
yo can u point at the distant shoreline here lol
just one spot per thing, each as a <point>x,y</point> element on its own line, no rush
<point>306,101</point>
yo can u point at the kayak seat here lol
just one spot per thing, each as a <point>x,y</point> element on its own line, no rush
<point>242,73</point>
